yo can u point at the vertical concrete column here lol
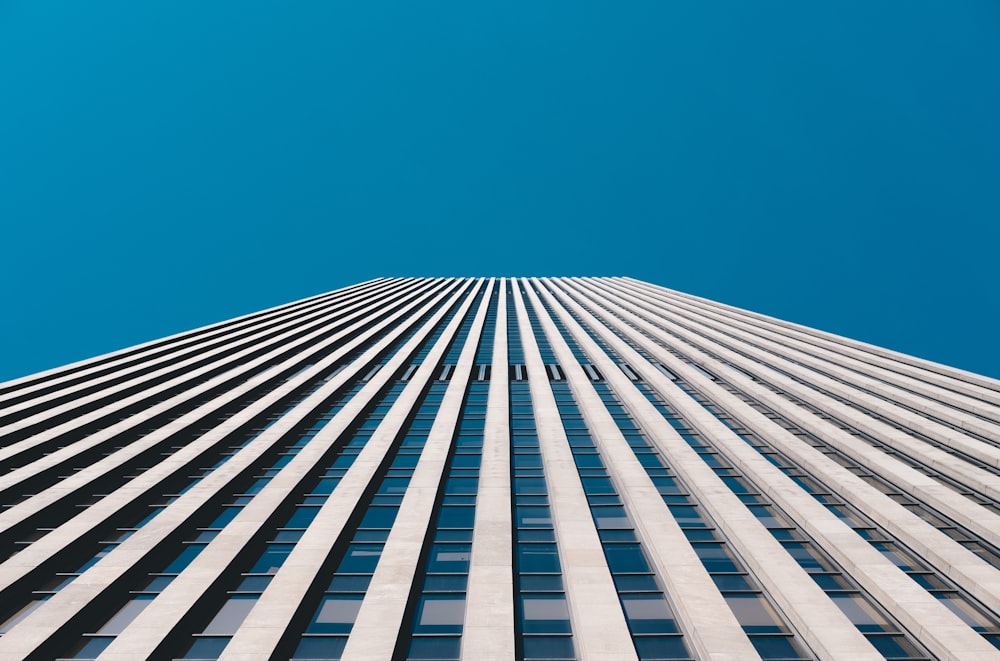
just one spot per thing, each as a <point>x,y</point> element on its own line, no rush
<point>870,366</point>
<point>709,627</point>
<point>968,570</point>
<point>266,625</point>
<point>950,374</point>
<point>938,628</point>
<point>981,521</point>
<point>489,611</point>
<point>806,607</point>
<point>173,360</point>
<point>187,382</point>
<point>174,603</point>
<point>935,404</point>
<point>52,495</point>
<point>599,627</point>
<point>19,566</point>
<point>18,388</point>
<point>243,377</point>
<point>385,601</point>
<point>942,433</point>
<point>697,349</point>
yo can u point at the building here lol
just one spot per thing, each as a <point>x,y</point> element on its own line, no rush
<point>496,469</point>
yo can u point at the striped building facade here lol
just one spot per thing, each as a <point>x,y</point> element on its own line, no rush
<point>500,469</point>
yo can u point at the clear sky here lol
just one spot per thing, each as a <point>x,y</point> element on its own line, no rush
<point>170,163</point>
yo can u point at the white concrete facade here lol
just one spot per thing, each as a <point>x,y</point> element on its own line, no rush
<point>500,469</point>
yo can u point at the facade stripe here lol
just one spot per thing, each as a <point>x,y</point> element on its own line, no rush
<point>489,615</point>
<point>695,349</point>
<point>57,375</point>
<point>382,609</point>
<point>932,409</point>
<point>844,357</point>
<point>949,374</point>
<point>709,625</point>
<point>599,627</point>
<point>500,469</point>
<point>37,629</point>
<point>820,623</point>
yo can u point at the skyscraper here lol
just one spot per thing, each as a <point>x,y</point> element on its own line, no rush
<point>501,468</point>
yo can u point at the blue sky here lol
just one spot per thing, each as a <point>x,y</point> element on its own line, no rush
<point>164,165</point>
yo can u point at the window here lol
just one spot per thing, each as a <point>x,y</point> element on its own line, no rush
<point>124,617</point>
<point>230,616</point>
<point>544,613</point>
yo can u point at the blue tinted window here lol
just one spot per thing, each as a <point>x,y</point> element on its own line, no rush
<point>435,647</point>
<point>626,558</point>
<point>548,647</point>
<point>321,647</point>
<point>544,613</point>
<point>360,559</point>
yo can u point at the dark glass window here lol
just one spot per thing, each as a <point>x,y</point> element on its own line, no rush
<point>360,559</point>
<point>435,647</point>
<point>440,614</point>
<point>544,613</point>
<point>537,558</point>
<point>548,647</point>
<point>323,648</point>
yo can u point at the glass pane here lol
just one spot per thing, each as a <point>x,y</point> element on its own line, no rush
<point>90,648</point>
<point>808,558</point>
<point>537,558</point>
<point>655,648</point>
<point>184,559</point>
<point>456,517</point>
<point>302,517</point>
<point>435,647</point>
<point>543,613</point>
<point>648,613</point>
<point>349,583</point>
<point>613,517</point>
<point>320,648</point>
<point>775,647</point>
<point>964,610</point>
<point>254,584</point>
<point>894,647</point>
<point>626,558</point>
<point>687,516</point>
<point>446,583</point>
<point>542,583</point>
<point>597,485</point>
<point>379,517</point>
<point>636,582</point>
<point>731,582</point>
<point>336,614</point>
<point>230,616</point>
<point>862,613</point>
<point>754,614</point>
<point>360,559</point>
<point>534,517</point>
<point>716,558</point>
<point>462,485</point>
<point>206,648</point>
<point>544,647</point>
<point>124,617</point>
<point>449,558</point>
<point>272,558</point>
<point>529,485</point>
<point>440,614</point>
